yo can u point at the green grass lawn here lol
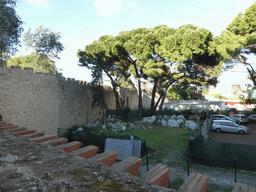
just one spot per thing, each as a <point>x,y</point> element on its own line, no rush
<point>161,137</point>
<point>172,143</point>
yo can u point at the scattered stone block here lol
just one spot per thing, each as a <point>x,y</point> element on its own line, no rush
<point>107,158</point>
<point>85,152</point>
<point>158,175</point>
<point>69,147</point>
<point>55,142</point>
<point>130,165</point>
<point>195,182</point>
<point>44,138</point>
<point>20,133</point>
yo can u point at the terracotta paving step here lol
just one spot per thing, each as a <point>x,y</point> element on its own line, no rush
<point>195,182</point>
<point>19,133</point>
<point>85,152</point>
<point>130,165</point>
<point>55,142</point>
<point>33,135</point>
<point>13,130</point>
<point>8,127</point>
<point>5,124</point>
<point>158,175</point>
<point>69,147</point>
<point>42,139</point>
<point>242,188</point>
<point>107,158</point>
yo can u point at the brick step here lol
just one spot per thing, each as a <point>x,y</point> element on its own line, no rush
<point>1,123</point>
<point>69,147</point>
<point>8,127</point>
<point>5,124</point>
<point>33,135</point>
<point>107,158</point>
<point>242,188</point>
<point>195,182</point>
<point>20,133</point>
<point>85,152</point>
<point>13,130</point>
<point>42,139</point>
<point>158,175</point>
<point>55,142</point>
<point>130,165</point>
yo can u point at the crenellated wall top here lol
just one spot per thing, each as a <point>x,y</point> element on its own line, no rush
<point>30,71</point>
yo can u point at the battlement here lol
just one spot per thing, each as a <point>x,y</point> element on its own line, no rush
<point>29,99</point>
<point>30,71</point>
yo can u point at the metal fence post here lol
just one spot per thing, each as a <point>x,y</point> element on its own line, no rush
<point>147,162</point>
<point>235,170</point>
<point>188,163</point>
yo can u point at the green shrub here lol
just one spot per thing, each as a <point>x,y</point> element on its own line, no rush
<point>126,110</point>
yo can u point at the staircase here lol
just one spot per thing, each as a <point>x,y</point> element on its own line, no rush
<point>158,175</point>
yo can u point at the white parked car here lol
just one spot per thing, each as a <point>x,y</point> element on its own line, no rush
<point>240,118</point>
<point>228,126</point>
<point>221,117</point>
<point>252,118</point>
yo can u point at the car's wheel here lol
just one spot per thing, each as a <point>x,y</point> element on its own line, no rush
<point>241,132</point>
<point>218,130</point>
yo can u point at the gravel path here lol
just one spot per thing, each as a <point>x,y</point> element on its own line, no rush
<point>220,177</point>
<point>223,178</point>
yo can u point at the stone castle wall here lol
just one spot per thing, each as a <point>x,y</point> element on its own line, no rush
<point>44,101</point>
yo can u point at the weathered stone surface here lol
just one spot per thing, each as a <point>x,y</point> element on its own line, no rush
<point>27,166</point>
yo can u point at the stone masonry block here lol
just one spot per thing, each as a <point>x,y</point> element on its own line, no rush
<point>107,158</point>
<point>13,130</point>
<point>19,133</point>
<point>55,142</point>
<point>69,147</point>
<point>158,175</point>
<point>85,152</point>
<point>5,124</point>
<point>33,135</point>
<point>42,139</point>
<point>130,165</point>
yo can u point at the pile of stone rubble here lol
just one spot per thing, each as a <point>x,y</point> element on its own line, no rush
<point>170,121</point>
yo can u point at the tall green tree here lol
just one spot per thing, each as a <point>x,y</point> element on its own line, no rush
<point>10,29</point>
<point>239,40</point>
<point>192,54</point>
<point>44,42</point>
<point>44,65</point>
<point>46,46</point>
<point>236,90</point>
<point>102,57</point>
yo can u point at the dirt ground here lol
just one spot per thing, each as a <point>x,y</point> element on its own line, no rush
<point>236,138</point>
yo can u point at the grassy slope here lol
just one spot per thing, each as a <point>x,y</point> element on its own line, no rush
<point>174,142</point>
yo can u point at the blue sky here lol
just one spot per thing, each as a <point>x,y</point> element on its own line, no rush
<point>81,22</point>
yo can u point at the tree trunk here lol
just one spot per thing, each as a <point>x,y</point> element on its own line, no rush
<point>160,106</point>
<point>159,99</point>
<point>153,97</point>
<point>118,106</point>
<point>251,73</point>
<point>140,99</point>
<point>140,92</point>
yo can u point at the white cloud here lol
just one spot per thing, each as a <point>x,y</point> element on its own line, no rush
<point>43,3</point>
<point>115,6</point>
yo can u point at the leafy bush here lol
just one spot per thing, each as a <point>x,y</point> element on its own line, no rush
<point>126,110</point>
<point>234,110</point>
